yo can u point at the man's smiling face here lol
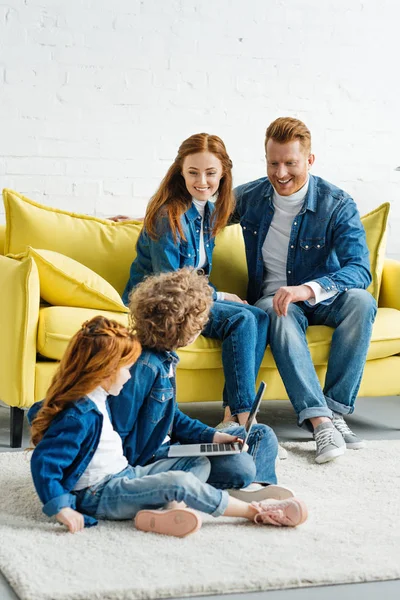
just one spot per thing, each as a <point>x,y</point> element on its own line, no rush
<point>287,166</point>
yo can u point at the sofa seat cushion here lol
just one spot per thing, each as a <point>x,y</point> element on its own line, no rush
<point>57,324</point>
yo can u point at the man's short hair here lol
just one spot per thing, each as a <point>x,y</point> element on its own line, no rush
<point>287,129</point>
<point>168,310</point>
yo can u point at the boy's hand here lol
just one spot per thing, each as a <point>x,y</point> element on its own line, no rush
<point>226,438</point>
<point>71,518</point>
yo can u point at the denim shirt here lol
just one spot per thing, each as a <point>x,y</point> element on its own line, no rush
<point>167,254</point>
<point>143,414</point>
<point>327,241</point>
<point>145,411</point>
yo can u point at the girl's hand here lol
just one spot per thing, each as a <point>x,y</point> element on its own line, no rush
<point>234,298</point>
<point>71,518</point>
<point>226,438</point>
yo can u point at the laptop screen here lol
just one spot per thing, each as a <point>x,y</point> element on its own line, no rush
<point>254,409</point>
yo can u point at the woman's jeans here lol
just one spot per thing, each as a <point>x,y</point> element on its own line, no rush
<point>239,470</point>
<point>243,330</point>
<point>122,495</point>
<point>352,315</point>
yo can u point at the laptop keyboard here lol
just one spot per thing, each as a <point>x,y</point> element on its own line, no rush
<point>219,447</point>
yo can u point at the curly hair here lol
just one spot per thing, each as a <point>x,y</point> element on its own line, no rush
<point>173,199</point>
<point>94,354</point>
<point>287,129</point>
<point>170,309</point>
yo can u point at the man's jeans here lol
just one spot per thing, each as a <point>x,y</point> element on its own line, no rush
<point>239,470</point>
<point>122,495</point>
<point>352,314</point>
<point>243,330</point>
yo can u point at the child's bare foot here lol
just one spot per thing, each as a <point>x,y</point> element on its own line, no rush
<point>178,522</point>
<point>289,513</point>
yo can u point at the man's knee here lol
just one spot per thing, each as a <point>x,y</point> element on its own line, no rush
<point>361,302</point>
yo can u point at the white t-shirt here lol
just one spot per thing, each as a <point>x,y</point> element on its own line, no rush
<point>109,457</point>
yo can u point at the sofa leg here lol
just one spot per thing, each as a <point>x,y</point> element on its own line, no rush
<point>16,426</point>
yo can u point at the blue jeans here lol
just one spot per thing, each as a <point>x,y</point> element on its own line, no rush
<point>121,496</point>
<point>239,470</point>
<point>352,315</point>
<point>243,330</point>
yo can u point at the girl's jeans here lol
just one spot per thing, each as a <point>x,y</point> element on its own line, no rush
<point>122,495</point>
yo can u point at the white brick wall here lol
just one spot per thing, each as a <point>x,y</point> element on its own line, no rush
<point>96,95</point>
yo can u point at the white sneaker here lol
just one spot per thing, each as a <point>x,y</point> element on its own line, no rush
<point>255,492</point>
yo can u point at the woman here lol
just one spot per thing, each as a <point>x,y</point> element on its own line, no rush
<point>179,230</point>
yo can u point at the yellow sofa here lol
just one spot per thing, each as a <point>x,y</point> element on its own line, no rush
<point>34,333</point>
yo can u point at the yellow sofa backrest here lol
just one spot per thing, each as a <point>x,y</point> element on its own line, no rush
<point>2,238</point>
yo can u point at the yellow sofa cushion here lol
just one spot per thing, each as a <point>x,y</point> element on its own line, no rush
<point>57,325</point>
<point>375,223</point>
<point>66,282</point>
<point>106,247</point>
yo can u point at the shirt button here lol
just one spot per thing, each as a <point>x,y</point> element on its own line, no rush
<point>328,288</point>
<point>289,272</point>
<point>207,245</point>
<point>244,227</point>
<point>305,246</point>
<point>345,289</point>
<point>295,223</point>
<point>318,246</point>
<point>189,255</point>
<point>197,230</point>
<point>292,246</point>
<point>255,232</point>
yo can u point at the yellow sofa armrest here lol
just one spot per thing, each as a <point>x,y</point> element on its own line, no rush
<point>19,315</point>
<point>389,296</point>
<point>2,238</point>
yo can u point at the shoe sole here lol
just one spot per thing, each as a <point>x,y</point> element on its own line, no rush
<point>273,492</point>
<point>331,455</point>
<point>176,522</point>
<point>356,445</point>
<point>302,513</point>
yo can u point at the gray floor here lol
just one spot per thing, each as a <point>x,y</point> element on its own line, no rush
<point>376,418</point>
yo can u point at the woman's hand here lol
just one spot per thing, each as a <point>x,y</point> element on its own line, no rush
<point>225,438</point>
<point>120,218</point>
<point>234,298</point>
<point>71,518</point>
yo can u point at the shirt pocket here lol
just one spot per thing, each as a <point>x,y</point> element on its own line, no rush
<point>313,251</point>
<point>187,255</point>
<point>158,402</point>
<point>250,229</point>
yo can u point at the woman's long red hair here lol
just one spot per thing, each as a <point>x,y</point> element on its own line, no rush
<point>94,354</point>
<point>173,197</point>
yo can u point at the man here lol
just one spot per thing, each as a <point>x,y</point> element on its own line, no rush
<point>308,264</point>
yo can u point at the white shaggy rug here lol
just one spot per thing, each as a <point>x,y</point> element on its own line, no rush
<point>352,535</point>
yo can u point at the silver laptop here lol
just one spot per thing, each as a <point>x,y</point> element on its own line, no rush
<point>220,449</point>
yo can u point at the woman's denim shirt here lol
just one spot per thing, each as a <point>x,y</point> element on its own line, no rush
<point>327,240</point>
<point>168,254</point>
<point>143,414</point>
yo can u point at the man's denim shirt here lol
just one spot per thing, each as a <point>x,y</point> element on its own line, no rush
<point>327,240</point>
<point>143,414</point>
<point>168,254</point>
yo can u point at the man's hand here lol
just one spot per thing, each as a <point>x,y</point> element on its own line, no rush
<point>226,438</point>
<point>71,518</point>
<point>290,293</point>
<point>234,298</point>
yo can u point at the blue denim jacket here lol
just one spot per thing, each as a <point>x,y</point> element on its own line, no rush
<point>167,254</point>
<point>145,411</point>
<point>143,414</point>
<point>327,241</point>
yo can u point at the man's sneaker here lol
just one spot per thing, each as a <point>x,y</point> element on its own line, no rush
<point>287,513</point>
<point>178,522</point>
<point>226,425</point>
<point>351,439</point>
<point>330,443</point>
<point>255,492</point>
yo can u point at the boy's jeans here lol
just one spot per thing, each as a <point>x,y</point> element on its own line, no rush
<point>239,470</point>
<point>352,314</point>
<point>243,330</point>
<point>122,495</point>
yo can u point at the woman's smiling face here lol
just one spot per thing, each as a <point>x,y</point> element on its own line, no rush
<point>202,173</point>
